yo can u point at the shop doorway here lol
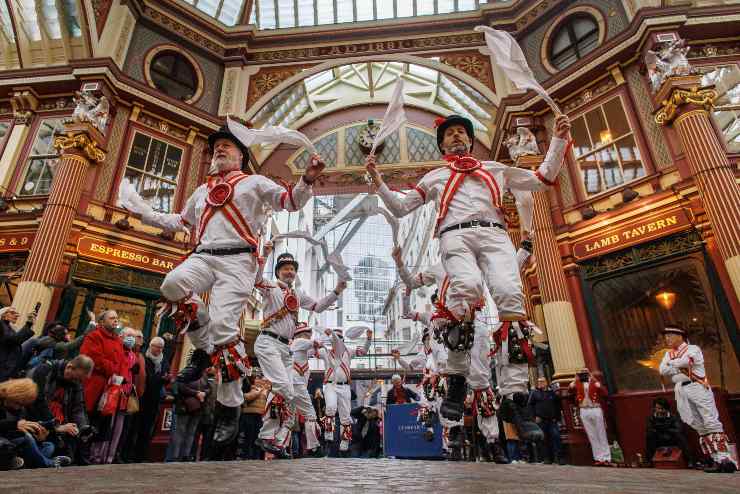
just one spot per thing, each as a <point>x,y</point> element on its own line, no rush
<point>641,291</point>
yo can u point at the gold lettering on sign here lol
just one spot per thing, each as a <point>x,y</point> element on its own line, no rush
<point>128,256</point>
<point>634,233</point>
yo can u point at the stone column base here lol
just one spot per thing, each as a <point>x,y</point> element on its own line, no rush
<point>28,294</point>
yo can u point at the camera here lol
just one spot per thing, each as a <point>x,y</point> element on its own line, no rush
<point>87,433</point>
<point>583,377</point>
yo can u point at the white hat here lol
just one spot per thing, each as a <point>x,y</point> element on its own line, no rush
<point>395,377</point>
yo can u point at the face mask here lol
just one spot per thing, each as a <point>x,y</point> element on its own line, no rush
<point>129,342</point>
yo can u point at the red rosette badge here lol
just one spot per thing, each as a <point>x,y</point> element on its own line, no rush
<point>465,164</point>
<point>291,302</point>
<point>219,194</point>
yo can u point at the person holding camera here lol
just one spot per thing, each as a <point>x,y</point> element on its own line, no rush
<point>61,401</point>
<point>11,341</point>
<point>192,391</point>
<point>23,442</point>
<point>664,431</point>
<point>589,392</point>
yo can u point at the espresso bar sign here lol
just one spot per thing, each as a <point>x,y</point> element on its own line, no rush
<point>642,230</point>
<point>124,255</point>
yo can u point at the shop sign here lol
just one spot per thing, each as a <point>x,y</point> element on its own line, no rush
<point>636,232</point>
<point>125,255</point>
<point>16,242</point>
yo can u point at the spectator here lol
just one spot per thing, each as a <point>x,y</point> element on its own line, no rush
<point>127,451</point>
<point>589,392</point>
<point>157,376</point>
<point>61,400</point>
<point>366,436</point>
<point>11,341</point>
<point>54,344</point>
<point>104,347</point>
<point>399,394</point>
<point>664,430</point>
<point>28,437</point>
<point>192,391</point>
<point>255,401</point>
<point>544,405</point>
<point>207,424</point>
<point>319,404</point>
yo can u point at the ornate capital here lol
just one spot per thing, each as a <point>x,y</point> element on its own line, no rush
<point>24,103</point>
<point>679,97</point>
<point>79,143</point>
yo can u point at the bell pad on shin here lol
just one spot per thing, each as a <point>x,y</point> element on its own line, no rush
<point>459,336</point>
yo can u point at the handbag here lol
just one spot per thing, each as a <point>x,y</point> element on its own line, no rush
<point>109,400</point>
<point>132,406</point>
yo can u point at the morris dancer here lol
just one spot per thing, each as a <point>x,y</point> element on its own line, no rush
<point>337,379</point>
<point>684,364</point>
<point>474,245</point>
<point>282,302</point>
<point>226,215</point>
<point>474,364</point>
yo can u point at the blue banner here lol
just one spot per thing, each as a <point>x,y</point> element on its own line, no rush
<point>403,435</point>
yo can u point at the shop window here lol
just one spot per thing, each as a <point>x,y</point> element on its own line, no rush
<point>153,167</point>
<point>605,147</point>
<point>173,74</point>
<point>4,131</point>
<point>726,113</point>
<point>573,40</point>
<point>634,307</point>
<point>41,159</point>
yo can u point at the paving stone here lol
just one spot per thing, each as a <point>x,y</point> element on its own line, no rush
<point>341,476</point>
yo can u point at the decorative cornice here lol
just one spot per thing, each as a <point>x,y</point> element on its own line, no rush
<point>679,97</point>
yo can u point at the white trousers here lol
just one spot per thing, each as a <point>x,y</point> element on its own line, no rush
<point>339,399</point>
<point>512,378</point>
<point>697,408</point>
<point>303,403</point>
<point>473,255</point>
<point>275,360</point>
<point>476,364</point>
<point>230,280</point>
<point>593,422</point>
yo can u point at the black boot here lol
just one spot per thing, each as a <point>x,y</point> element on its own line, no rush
<point>497,453</point>
<point>453,405</point>
<point>455,443</point>
<point>226,429</point>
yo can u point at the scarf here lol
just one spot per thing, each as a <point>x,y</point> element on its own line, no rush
<point>156,360</point>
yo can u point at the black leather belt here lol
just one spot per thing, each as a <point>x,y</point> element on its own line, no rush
<point>473,224</point>
<point>277,337</point>
<point>686,383</point>
<point>226,252</point>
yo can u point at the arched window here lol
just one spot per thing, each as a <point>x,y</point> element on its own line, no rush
<point>173,74</point>
<point>573,40</point>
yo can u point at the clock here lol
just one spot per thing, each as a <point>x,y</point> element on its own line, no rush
<point>367,138</point>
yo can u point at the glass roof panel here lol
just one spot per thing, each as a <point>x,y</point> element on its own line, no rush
<point>321,12</point>
<point>228,12</point>
<point>6,22</point>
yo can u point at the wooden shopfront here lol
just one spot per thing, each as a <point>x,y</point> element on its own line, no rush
<point>637,276</point>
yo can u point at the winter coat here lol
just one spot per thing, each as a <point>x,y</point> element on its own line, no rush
<point>106,350</point>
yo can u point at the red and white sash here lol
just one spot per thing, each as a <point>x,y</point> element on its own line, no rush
<point>460,168</point>
<point>227,208</point>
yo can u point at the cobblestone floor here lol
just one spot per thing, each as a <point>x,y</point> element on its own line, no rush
<point>349,476</point>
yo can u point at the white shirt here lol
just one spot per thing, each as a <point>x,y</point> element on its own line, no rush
<point>250,197</point>
<point>473,199</point>
<point>676,363</point>
<point>301,349</point>
<point>338,360</point>
<point>274,297</point>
